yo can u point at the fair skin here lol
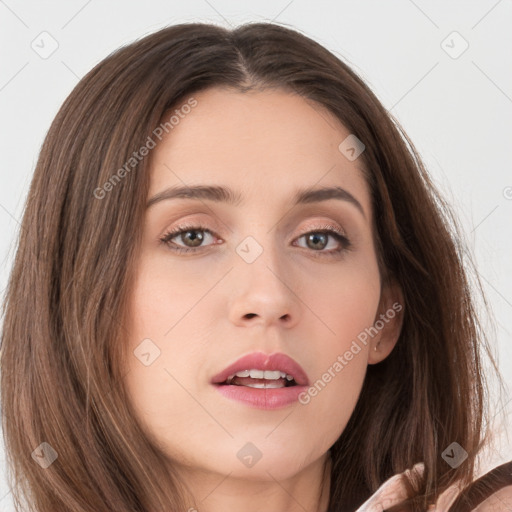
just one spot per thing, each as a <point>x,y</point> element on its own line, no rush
<point>206,309</point>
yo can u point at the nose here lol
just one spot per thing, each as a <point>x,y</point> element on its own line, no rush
<point>264,294</point>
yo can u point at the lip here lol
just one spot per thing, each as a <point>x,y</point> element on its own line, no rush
<point>263,398</point>
<point>266,399</point>
<point>262,361</point>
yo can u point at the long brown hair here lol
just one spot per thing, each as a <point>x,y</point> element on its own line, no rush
<point>66,303</point>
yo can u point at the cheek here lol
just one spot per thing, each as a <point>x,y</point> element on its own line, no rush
<point>345,298</point>
<point>157,393</point>
<point>346,302</point>
<point>162,354</point>
<point>163,293</point>
<point>340,369</point>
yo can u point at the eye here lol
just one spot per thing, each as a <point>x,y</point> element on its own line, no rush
<point>191,234</point>
<point>317,240</point>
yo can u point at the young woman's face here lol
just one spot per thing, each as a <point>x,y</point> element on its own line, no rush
<point>261,276</point>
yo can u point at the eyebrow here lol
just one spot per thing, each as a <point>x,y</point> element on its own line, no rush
<point>226,195</point>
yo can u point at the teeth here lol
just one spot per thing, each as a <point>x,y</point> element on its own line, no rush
<point>261,374</point>
<point>266,385</point>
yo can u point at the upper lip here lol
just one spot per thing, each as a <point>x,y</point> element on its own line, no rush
<point>262,361</point>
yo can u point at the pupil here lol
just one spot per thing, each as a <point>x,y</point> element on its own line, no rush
<point>315,237</point>
<point>196,239</point>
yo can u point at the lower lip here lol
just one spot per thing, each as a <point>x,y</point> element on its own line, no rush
<point>262,398</point>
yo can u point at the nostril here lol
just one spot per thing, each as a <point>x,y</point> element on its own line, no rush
<point>250,315</point>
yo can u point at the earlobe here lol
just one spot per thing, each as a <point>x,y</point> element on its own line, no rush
<point>387,323</point>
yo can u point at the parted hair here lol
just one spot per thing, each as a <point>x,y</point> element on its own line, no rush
<point>62,349</point>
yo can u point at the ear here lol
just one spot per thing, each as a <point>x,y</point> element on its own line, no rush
<point>388,322</point>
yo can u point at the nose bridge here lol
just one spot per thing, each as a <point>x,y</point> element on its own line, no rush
<point>262,278</point>
<point>260,260</point>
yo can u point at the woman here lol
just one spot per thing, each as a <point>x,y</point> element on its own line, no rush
<point>236,288</point>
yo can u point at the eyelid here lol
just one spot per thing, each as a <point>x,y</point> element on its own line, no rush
<point>313,225</point>
<point>324,225</point>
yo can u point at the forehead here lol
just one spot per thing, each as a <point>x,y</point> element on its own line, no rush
<point>258,143</point>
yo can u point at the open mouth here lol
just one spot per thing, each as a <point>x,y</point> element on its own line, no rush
<point>262,379</point>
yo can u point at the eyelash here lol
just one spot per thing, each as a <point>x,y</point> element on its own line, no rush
<point>336,233</point>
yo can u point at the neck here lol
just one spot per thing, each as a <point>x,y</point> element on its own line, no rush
<point>307,490</point>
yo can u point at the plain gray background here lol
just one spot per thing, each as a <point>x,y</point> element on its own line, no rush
<point>454,102</point>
